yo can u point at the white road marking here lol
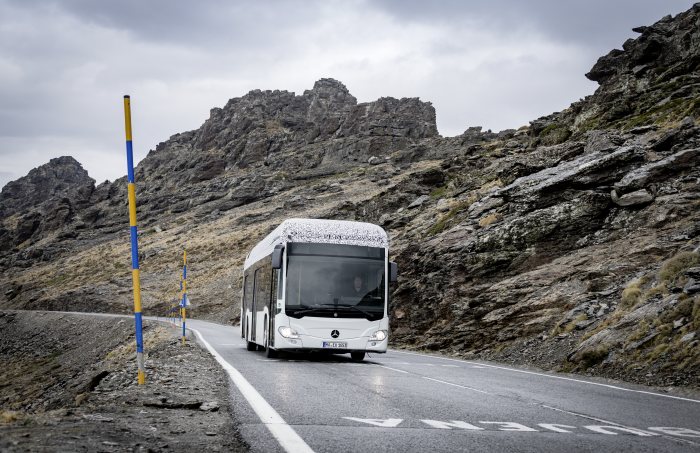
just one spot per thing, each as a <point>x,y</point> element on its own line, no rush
<point>452,424</point>
<point>557,428</point>
<point>457,385</point>
<point>382,423</point>
<point>608,430</point>
<point>601,420</point>
<point>683,432</point>
<point>510,426</point>
<point>288,439</point>
<point>392,369</point>
<point>450,366</point>
<point>608,422</point>
<point>614,387</point>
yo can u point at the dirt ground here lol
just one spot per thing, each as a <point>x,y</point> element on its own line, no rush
<point>68,383</point>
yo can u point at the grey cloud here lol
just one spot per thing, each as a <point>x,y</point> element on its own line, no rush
<point>217,23</point>
<point>594,22</point>
<point>65,64</point>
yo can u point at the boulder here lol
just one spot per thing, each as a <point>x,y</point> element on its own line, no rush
<point>636,198</point>
<point>658,171</point>
<point>418,202</point>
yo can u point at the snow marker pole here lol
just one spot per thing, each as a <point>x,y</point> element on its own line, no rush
<point>135,272</point>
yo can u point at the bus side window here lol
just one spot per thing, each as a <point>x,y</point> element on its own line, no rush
<point>245,280</point>
<point>273,293</point>
<point>248,292</point>
<point>262,287</point>
<point>280,287</point>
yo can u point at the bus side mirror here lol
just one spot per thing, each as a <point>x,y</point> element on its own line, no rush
<point>393,272</point>
<point>277,254</point>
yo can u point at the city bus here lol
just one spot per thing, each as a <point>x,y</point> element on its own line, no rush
<point>318,285</point>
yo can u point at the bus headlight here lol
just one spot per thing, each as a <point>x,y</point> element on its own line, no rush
<point>288,332</point>
<point>379,335</point>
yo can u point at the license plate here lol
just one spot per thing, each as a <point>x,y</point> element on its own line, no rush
<point>335,344</point>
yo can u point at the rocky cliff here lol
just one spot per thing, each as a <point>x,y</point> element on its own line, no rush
<point>571,243</point>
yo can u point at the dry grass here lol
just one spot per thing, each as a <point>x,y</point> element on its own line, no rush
<point>642,331</point>
<point>594,356</point>
<point>570,326</point>
<point>489,219</point>
<point>657,352</point>
<point>674,266</point>
<point>631,295</point>
<point>9,416</point>
<point>457,207</point>
<point>496,183</point>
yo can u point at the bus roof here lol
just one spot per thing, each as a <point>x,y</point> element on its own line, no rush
<point>319,231</point>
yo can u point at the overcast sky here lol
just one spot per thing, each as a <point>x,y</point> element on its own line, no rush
<point>65,65</point>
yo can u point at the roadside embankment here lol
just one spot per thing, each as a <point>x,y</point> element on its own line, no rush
<point>68,383</point>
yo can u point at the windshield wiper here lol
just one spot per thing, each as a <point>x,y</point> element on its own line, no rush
<point>353,307</point>
<point>307,309</point>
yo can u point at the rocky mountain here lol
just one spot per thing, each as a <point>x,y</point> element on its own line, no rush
<point>43,201</point>
<point>572,243</point>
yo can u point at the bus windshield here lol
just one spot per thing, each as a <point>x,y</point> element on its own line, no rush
<point>335,281</point>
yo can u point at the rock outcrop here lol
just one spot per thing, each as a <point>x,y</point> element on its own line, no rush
<point>49,197</point>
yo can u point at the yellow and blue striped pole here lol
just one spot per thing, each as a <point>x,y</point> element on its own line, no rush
<point>131,188</point>
<point>184,293</point>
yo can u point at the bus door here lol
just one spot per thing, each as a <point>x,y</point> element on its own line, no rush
<point>275,302</point>
<point>254,306</point>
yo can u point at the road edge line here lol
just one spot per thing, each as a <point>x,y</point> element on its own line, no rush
<point>457,385</point>
<point>288,439</point>
<point>564,378</point>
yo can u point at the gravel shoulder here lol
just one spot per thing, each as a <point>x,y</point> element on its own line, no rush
<point>68,383</point>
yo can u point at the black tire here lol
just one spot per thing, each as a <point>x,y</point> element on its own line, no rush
<point>269,352</point>
<point>357,356</point>
<point>249,345</point>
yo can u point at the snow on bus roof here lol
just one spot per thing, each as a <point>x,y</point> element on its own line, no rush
<point>319,231</point>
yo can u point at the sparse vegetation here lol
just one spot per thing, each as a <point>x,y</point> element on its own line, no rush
<point>673,268</point>
<point>491,185</point>
<point>643,329</point>
<point>8,416</point>
<point>456,208</point>
<point>631,295</point>
<point>438,192</point>
<point>554,134</point>
<point>570,326</point>
<point>663,113</point>
<point>594,356</point>
<point>489,219</point>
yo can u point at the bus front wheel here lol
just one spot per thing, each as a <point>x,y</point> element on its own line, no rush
<point>269,352</point>
<point>250,346</point>
<point>357,356</point>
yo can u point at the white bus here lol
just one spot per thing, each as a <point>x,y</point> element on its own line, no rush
<point>318,285</point>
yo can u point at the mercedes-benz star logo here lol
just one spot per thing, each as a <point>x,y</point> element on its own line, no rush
<point>335,334</point>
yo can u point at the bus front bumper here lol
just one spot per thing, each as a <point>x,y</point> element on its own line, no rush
<point>309,343</point>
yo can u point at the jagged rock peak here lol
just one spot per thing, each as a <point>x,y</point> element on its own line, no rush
<point>668,42</point>
<point>329,84</point>
<point>330,88</point>
<point>60,177</point>
<point>44,200</point>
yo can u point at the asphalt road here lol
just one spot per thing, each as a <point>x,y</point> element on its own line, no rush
<point>407,402</point>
